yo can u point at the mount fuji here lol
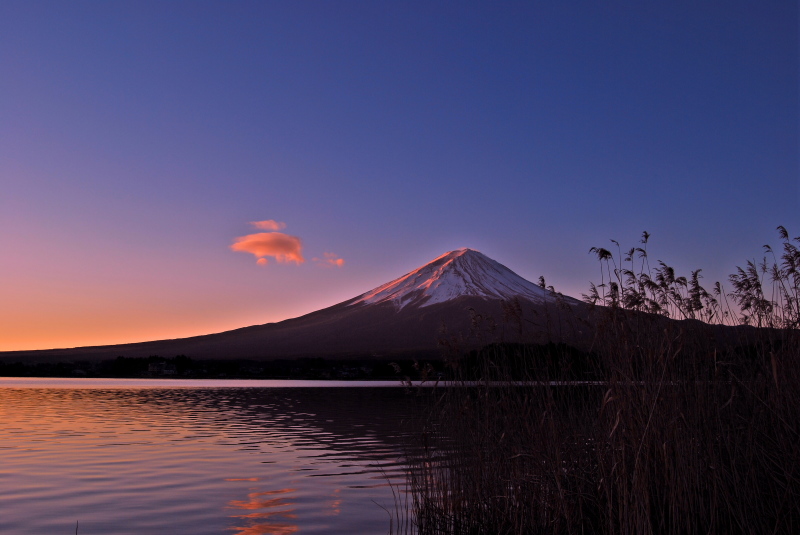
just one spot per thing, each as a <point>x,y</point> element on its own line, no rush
<point>406,317</point>
<point>460,273</point>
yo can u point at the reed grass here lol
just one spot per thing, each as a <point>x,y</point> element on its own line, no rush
<point>692,426</point>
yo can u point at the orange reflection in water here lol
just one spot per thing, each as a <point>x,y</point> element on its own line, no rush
<point>267,529</point>
<point>335,504</point>
<point>256,501</point>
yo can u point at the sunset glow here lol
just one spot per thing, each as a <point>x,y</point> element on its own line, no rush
<point>340,145</point>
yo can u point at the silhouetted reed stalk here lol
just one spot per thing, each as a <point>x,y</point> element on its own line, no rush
<point>693,426</point>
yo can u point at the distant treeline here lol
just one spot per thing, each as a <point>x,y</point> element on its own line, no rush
<point>182,366</point>
<point>538,362</point>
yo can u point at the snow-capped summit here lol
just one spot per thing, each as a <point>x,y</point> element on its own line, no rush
<point>463,272</point>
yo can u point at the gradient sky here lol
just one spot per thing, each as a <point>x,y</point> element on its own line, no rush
<point>140,140</point>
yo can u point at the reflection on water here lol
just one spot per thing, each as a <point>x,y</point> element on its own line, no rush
<point>200,460</point>
<point>269,521</point>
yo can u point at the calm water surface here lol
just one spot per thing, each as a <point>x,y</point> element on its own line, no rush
<point>160,456</point>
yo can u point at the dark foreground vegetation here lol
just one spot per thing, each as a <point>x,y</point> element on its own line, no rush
<point>689,426</point>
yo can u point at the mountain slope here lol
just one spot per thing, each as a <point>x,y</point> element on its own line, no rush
<point>405,317</point>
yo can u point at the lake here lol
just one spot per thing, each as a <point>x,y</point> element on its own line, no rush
<point>182,456</point>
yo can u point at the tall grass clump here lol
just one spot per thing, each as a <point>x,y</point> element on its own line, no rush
<point>682,417</point>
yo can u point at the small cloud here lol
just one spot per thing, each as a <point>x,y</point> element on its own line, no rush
<point>330,259</point>
<point>262,261</point>
<point>269,224</point>
<point>280,246</point>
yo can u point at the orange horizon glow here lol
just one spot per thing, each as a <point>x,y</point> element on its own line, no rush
<point>182,300</point>
<point>88,329</point>
<point>58,339</point>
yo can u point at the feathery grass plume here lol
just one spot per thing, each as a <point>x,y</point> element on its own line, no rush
<point>687,420</point>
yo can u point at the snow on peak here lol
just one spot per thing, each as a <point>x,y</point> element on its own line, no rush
<point>463,272</point>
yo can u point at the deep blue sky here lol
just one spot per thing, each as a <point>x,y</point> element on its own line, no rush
<point>139,139</point>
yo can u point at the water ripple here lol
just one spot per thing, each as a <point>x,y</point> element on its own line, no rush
<point>200,460</point>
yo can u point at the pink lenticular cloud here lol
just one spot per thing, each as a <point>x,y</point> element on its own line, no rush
<point>269,224</point>
<point>280,246</point>
<point>330,259</point>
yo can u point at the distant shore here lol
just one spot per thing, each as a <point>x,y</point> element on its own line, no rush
<point>182,367</point>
